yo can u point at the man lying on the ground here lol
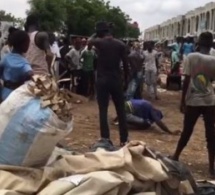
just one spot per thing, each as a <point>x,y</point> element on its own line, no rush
<point>142,114</point>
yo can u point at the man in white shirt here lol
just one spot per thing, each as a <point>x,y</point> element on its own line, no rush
<point>73,57</point>
<point>151,70</point>
<point>56,51</point>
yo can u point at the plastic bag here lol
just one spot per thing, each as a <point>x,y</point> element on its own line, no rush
<point>28,132</point>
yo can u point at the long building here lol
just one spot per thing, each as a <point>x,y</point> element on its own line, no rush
<point>193,22</point>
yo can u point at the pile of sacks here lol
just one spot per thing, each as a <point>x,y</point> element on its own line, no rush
<point>132,170</point>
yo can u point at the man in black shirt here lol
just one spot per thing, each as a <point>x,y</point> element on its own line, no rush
<point>110,53</point>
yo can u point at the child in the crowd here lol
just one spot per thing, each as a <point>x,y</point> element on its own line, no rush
<point>198,97</point>
<point>15,69</point>
<point>87,58</point>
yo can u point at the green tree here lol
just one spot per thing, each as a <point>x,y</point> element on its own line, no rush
<point>133,32</point>
<point>79,16</point>
<point>119,20</point>
<point>83,14</point>
<point>20,22</point>
<point>52,13</point>
<point>8,17</point>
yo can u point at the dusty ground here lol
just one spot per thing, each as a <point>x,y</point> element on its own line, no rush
<point>86,132</point>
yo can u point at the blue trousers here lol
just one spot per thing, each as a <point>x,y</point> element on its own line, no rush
<point>135,82</point>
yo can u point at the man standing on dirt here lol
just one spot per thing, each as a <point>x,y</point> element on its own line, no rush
<point>198,97</point>
<point>87,58</point>
<point>73,57</point>
<point>151,70</point>
<point>39,53</point>
<point>110,53</point>
<point>136,59</point>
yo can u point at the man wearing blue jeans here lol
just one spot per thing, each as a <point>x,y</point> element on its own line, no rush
<point>136,64</point>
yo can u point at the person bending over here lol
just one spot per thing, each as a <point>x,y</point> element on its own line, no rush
<point>142,115</point>
<point>15,69</point>
<point>198,97</point>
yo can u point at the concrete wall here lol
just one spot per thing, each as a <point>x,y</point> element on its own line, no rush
<point>194,22</point>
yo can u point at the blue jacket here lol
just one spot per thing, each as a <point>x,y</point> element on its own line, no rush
<point>145,110</point>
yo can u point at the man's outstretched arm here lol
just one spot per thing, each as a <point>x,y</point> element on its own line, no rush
<point>164,128</point>
<point>162,125</point>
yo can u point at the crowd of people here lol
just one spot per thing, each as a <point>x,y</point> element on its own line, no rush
<point>102,66</point>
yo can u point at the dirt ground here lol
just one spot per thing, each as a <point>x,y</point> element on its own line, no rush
<point>86,132</point>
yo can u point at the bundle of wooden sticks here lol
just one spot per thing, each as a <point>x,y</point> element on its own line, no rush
<point>59,101</point>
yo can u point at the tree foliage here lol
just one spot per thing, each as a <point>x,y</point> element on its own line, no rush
<point>80,16</point>
<point>20,22</point>
<point>133,31</point>
<point>51,13</point>
<point>6,16</point>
